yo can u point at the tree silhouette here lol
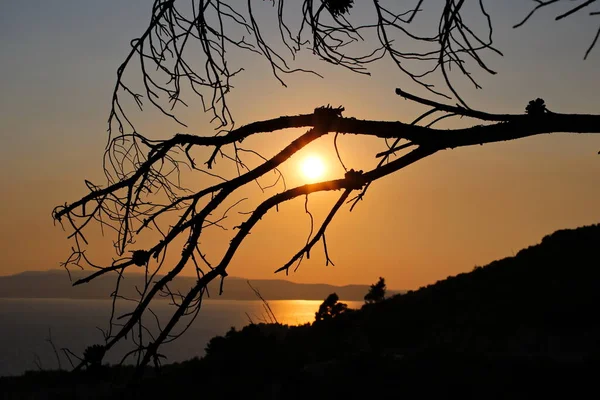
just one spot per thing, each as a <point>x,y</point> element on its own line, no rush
<point>184,51</point>
<point>376,292</point>
<point>330,308</point>
<point>92,357</point>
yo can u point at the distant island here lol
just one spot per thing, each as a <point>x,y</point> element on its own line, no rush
<point>55,284</point>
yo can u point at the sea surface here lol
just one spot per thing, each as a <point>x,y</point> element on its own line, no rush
<point>25,326</point>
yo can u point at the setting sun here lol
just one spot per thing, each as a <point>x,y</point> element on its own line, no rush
<point>312,168</point>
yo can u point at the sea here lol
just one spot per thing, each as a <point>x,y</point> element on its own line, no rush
<point>30,329</point>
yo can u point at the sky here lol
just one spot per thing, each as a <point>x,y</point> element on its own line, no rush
<point>442,216</point>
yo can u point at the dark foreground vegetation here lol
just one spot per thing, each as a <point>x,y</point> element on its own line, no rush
<point>522,327</point>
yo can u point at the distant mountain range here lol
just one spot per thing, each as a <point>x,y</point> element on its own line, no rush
<point>55,284</point>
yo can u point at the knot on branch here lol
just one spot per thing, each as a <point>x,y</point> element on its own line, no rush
<point>140,257</point>
<point>244,226</point>
<point>325,114</point>
<point>338,7</point>
<point>57,213</point>
<point>536,107</point>
<point>354,179</point>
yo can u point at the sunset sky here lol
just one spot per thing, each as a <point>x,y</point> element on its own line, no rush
<point>442,216</point>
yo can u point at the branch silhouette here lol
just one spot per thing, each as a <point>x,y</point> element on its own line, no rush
<point>145,194</point>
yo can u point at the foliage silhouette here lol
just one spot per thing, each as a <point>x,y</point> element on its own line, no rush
<point>93,355</point>
<point>376,292</point>
<point>330,308</point>
<point>144,193</point>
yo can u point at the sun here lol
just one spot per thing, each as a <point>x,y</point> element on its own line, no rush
<point>312,167</point>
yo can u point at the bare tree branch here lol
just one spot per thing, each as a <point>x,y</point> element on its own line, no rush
<point>147,192</point>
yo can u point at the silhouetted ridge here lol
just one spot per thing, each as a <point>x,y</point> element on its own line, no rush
<point>522,327</point>
<point>530,303</point>
<point>526,324</point>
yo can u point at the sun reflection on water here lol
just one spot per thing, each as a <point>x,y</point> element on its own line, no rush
<point>296,312</point>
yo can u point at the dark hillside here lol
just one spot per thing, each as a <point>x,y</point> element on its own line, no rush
<point>544,301</point>
<point>523,327</point>
<point>526,324</point>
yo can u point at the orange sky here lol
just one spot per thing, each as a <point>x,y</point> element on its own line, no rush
<point>439,217</point>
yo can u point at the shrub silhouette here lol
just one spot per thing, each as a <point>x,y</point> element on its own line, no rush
<point>93,356</point>
<point>376,293</point>
<point>330,308</point>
